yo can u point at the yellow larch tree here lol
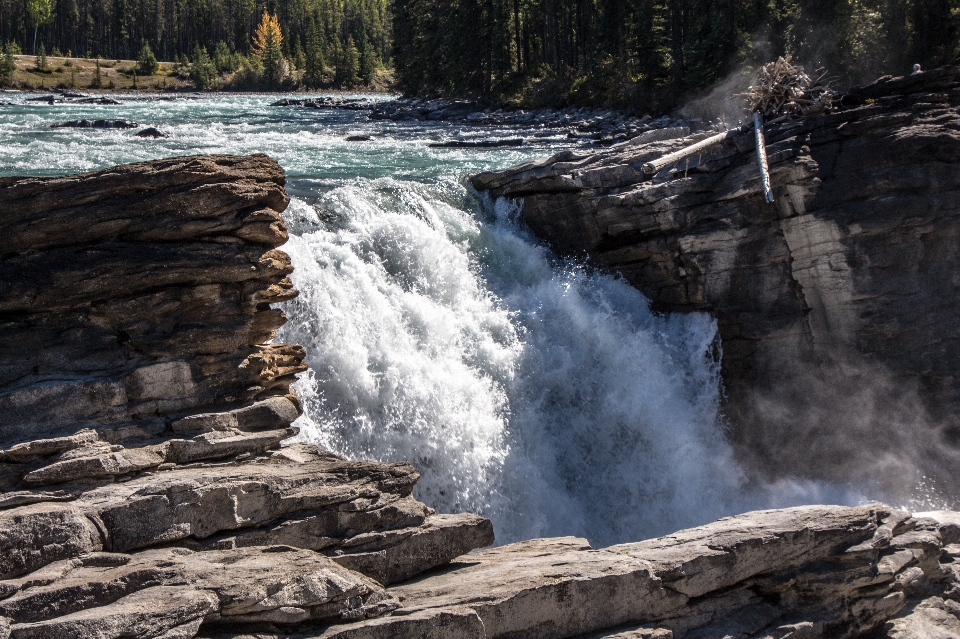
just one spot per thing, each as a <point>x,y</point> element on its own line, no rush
<point>266,46</point>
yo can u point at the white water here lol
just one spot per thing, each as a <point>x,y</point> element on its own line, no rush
<point>533,391</point>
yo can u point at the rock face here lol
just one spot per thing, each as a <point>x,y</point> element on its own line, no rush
<point>837,304</point>
<point>148,491</point>
<point>144,490</point>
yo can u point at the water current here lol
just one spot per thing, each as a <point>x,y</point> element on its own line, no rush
<point>523,387</point>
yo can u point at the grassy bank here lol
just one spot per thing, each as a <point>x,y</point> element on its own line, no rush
<point>80,74</point>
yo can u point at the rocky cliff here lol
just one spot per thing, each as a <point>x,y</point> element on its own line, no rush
<point>143,488</point>
<point>147,490</point>
<point>837,304</point>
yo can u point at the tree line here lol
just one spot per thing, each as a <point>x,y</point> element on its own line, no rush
<point>347,39</point>
<point>654,54</point>
<point>648,54</point>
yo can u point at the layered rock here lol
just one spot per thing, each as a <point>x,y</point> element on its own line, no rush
<point>802,573</point>
<point>148,490</point>
<point>145,488</point>
<point>836,304</point>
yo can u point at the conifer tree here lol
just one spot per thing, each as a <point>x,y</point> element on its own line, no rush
<point>146,61</point>
<point>97,81</point>
<point>7,66</point>
<point>314,63</point>
<point>268,48</point>
<point>202,72</point>
<point>348,65</point>
<point>41,61</point>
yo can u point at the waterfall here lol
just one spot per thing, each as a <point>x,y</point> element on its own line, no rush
<point>539,393</point>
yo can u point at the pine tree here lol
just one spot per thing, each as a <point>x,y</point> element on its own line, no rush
<point>368,63</point>
<point>97,81</point>
<point>313,71</point>
<point>41,60</point>
<point>202,72</point>
<point>7,66</point>
<point>223,59</point>
<point>348,65</point>
<point>147,62</point>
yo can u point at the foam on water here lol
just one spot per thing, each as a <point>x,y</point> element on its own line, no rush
<point>543,395</point>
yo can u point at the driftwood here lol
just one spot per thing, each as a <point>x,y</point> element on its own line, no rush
<point>786,89</point>
<point>669,159</point>
<point>762,155</point>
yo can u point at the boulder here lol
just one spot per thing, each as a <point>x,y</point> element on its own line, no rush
<point>151,132</point>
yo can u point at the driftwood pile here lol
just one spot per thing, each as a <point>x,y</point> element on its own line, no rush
<point>785,89</point>
<point>784,92</point>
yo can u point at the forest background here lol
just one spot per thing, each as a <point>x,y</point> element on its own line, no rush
<point>643,55</point>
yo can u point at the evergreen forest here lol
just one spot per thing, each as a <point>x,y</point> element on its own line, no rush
<point>326,40</point>
<point>645,54</point>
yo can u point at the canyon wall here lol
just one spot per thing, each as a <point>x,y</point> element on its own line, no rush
<point>837,304</point>
<point>150,489</point>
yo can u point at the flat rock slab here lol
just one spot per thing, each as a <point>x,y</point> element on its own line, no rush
<point>545,588</point>
<point>272,583</point>
<point>721,554</point>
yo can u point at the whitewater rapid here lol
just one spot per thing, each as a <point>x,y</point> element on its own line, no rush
<point>534,391</point>
<point>525,388</point>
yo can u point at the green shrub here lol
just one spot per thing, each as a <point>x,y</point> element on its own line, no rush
<point>202,72</point>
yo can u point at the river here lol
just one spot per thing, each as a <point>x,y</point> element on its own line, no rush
<point>527,388</point>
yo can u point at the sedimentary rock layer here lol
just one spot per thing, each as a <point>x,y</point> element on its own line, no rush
<point>837,304</point>
<point>813,572</point>
<point>144,490</point>
<point>160,499</point>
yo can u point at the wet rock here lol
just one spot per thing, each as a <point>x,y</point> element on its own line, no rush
<point>476,144</point>
<point>796,572</point>
<point>147,487</point>
<point>95,124</point>
<point>149,411</point>
<point>151,132</point>
<point>358,138</point>
<point>98,100</point>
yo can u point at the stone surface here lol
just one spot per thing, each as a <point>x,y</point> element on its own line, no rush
<point>801,572</point>
<point>146,488</point>
<point>836,305</point>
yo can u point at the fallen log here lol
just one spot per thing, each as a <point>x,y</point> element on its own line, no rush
<point>762,156</point>
<point>655,166</point>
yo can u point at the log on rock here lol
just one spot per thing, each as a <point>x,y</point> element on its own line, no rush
<point>655,166</point>
<point>847,273</point>
<point>762,156</point>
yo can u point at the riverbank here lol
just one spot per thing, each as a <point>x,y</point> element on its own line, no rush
<point>119,76</point>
